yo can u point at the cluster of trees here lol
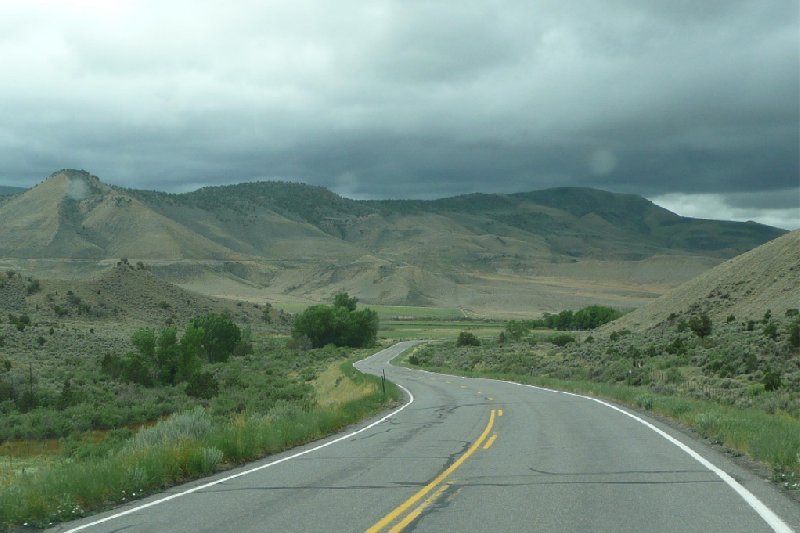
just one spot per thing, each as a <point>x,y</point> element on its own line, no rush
<point>590,317</point>
<point>162,358</point>
<point>587,318</point>
<point>340,324</point>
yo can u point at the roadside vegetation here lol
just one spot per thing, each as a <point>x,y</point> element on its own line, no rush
<point>736,383</point>
<point>106,409</point>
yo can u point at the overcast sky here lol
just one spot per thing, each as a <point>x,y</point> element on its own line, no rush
<point>693,104</point>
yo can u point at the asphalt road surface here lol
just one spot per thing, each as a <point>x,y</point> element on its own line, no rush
<point>475,455</point>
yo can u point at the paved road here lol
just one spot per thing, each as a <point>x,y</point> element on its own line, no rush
<point>475,455</point>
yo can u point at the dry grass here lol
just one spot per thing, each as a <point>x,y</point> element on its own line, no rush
<point>333,388</point>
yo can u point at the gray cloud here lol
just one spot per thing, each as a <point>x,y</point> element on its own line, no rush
<point>408,99</point>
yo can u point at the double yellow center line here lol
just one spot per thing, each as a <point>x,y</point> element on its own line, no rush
<point>435,488</point>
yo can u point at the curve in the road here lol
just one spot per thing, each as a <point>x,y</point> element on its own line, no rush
<point>555,461</point>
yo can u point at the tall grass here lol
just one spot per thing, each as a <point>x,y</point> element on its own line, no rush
<point>185,446</point>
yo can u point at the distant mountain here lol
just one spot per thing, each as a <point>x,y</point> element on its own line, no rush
<point>567,222</point>
<point>72,215</point>
<point>469,251</point>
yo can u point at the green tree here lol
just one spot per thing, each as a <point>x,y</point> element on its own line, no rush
<point>593,316</point>
<point>323,324</point>
<point>137,369</point>
<point>319,323</point>
<point>145,342</point>
<point>191,346</point>
<point>168,354</point>
<point>362,328</point>
<point>66,397</point>
<point>343,300</point>
<point>220,336</point>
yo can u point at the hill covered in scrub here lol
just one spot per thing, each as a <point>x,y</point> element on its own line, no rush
<point>745,287</point>
<point>483,253</point>
<point>56,334</point>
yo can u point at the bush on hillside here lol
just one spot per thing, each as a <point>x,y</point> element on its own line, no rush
<point>794,334</point>
<point>772,380</point>
<point>562,339</point>
<point>700,325</point>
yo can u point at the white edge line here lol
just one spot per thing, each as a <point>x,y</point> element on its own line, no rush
<point>768,515</point>
<point>245,472</point>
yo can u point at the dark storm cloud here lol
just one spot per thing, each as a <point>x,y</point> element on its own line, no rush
<point>695,102</point>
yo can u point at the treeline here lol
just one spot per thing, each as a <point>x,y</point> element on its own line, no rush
<point>340,324</point>
<point>587,318</point>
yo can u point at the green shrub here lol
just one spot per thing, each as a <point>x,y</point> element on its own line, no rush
<point>466,338</point>
<point>772,379</point>
<point>202,385</point>
<point>33,287</point>
<point>344,301</point>
<point>770,330</point>
<point>562,340</point>
<point>616,335</point>
<point>794,334</point>
<point>21,322</point>
<point>701,325</point>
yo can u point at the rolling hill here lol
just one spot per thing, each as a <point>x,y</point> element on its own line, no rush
<point>765,278</point>
<point>525,252</point>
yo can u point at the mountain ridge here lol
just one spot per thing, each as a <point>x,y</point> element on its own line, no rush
<point>294,240</point>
